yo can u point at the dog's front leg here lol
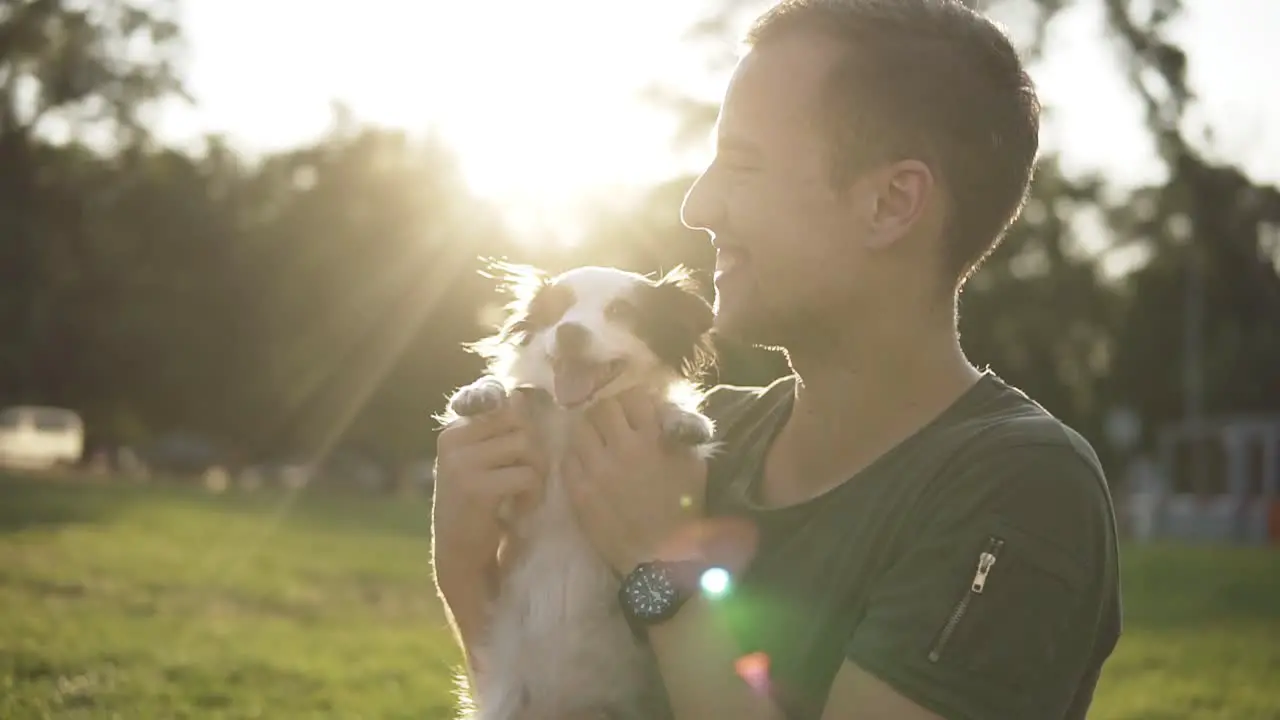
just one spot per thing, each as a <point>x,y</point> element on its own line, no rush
<point>685,428</point>
<point>484,395</point>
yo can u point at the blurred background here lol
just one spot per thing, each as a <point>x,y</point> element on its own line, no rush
<point>239,251</point>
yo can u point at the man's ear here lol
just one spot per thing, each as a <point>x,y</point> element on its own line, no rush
<point>676,322</point>
<point>896,198</point>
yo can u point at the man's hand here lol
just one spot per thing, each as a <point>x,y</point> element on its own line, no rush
<point>481,462</point>
<point>632,491</point>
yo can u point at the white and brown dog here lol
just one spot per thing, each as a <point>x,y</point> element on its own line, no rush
<point>558,646</point>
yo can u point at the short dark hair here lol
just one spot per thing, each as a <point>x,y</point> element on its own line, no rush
<point>931,80</point>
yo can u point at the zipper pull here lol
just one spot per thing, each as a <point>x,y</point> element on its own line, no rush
<point>985,562</point>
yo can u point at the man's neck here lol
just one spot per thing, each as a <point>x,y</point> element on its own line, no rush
<point>857,398</point>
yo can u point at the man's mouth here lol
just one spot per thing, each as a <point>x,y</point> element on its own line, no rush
<point>578,381</point>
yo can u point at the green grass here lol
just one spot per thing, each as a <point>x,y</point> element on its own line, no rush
<point>134,602</point>
<point>143,603</point>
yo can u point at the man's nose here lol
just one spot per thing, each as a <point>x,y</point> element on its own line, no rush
<point>703,206</point>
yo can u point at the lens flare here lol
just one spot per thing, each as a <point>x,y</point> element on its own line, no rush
<point>754,671</point>
<point>715,582</point>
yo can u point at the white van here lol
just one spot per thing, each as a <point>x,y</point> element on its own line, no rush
<point>38,438</point>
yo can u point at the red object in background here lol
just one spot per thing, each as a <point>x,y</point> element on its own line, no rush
<point>1273,522</point>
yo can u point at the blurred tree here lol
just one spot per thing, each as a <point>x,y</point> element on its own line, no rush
<point>68,72</point>
<point>374,247</point>
<point>318,298</point>
<point>1040,311</point>
<point>1209,294</point>
<point>281,306</point>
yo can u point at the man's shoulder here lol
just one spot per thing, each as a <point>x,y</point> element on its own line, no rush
<point>1010,465</point>
<point>1029,471</point>
<point>1008,421</point>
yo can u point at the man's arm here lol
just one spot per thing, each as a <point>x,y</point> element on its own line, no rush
<point>697,657</point>
<point>696,654</point>
<point>858,694</point>
<point>467,597</point>
<point>698,664</point>
<point>466,610</point>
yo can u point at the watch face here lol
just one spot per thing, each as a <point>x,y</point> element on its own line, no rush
<point>650,594</point>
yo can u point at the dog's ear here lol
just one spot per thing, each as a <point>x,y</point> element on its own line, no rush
<point>523,284</point>
<point>676,322</point>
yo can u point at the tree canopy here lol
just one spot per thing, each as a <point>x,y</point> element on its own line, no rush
<point>320,296</point>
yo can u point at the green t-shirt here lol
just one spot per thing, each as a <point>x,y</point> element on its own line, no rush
<point>884,570</point>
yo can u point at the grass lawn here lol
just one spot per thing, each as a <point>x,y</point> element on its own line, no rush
<point>148,602</point>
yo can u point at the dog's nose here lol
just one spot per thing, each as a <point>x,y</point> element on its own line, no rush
<point>571,339</point>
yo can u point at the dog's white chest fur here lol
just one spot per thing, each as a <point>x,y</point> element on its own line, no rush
<point>559,646</point>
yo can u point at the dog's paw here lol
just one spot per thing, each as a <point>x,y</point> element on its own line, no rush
<point>484,395</point>
<point>687,428</point>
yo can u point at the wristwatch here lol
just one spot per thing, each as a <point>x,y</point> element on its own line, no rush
<point>654,592</point>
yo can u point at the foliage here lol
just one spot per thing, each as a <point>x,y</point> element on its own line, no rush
<point>317,297</point>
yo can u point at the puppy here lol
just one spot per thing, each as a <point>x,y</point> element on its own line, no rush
<point>558,647</point>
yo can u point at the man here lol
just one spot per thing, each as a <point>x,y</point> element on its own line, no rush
<point>928,542</point>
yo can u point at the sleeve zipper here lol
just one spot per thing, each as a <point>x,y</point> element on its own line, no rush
<point>986,560</point>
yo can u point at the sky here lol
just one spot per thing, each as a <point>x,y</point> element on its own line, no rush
<point>542,100</point>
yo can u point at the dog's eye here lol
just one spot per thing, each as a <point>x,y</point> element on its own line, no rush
<point>620,310</point>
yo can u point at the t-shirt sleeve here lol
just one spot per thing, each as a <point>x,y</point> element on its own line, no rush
<point>724,403</point>
<point>730,408</point>
<point>994,608</point>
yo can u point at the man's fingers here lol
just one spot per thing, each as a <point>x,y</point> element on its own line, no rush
<point>481,427</point>
<point>589,444</point>
<point>508,482</point>
<point>511,448</point>
<point>639,410</point>
<point>586,503</point>
<point>610,421</point>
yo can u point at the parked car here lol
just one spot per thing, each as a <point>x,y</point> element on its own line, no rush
<point>38,438</point>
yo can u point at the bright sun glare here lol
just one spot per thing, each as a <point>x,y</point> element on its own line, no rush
<point>540,101</point>
<point>544,108</point>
